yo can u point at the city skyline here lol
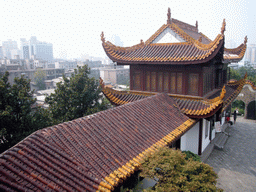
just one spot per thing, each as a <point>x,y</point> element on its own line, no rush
<point>74,28</point>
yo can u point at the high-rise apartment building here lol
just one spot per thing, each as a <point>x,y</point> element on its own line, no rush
<point>24,48</point>
<point>10,49</point>
<point>36,49</point>
<point>250,55</point>
<point>1,52</point>
<point>43,51</point>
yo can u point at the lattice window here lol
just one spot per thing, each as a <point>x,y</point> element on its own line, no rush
<point>136,81</point>
<point>147,81</point>
<point>193,84</point>
<point>153,81</point>
<point>166,82</point>
<point>160,82</point>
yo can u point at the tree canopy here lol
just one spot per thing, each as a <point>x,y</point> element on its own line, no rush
<point>17,118</point>
<point>174,172</point>
<point>75,97</point>
<point>39,78</point>
<point>239,73</point>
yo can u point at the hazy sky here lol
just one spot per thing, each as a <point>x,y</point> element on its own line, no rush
<point>74,26</point>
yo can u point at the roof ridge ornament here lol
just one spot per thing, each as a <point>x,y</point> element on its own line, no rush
<point>223,28</point>
<point>197,24</point>
<point>200,39</point>
<point>245,40</point>
<point>102,37</point>
<point>169,16</point>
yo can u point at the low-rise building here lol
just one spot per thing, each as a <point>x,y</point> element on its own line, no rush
<point>115,74</point>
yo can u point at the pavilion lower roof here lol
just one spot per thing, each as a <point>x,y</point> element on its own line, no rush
<point>93,153</point>
<point>192,106</point>
<point>233,88</point>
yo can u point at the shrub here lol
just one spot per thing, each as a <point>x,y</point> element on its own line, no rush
<point>176,172</point>
<point>189,155</point>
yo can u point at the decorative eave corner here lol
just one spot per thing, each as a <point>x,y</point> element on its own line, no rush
<point>236,54</point>
<point>169,21</point>
<point>219,98</point>
<point>223,28</point>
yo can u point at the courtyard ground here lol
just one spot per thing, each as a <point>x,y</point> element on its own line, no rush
<point>236,163</point>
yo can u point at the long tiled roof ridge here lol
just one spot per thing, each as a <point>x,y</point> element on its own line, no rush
<point>165,141</point>
<point>192,106</point>
<point>93,153</point>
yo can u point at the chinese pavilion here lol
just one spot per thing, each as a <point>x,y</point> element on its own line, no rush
<point>179,60</point>
<point>100,151</point>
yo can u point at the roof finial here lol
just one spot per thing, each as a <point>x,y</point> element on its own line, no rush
<point>102,37</point>
<point>200,39</point>
<point>169,16</point>
<point>245,39</point>
<point>223,28</point>
<point>197,24</point>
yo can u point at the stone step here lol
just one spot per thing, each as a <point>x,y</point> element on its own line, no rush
<point>220,140</point>
<point>207,152</point>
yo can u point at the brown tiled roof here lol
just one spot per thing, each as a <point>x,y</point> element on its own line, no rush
<point>93,153</point>
<point>192,106</point>
<point>190,52</point>
<point>197,48</point>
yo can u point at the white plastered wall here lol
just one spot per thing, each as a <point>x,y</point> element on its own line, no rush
<point>168,36</point>
<point>205,139</point>
<point>189,141</point>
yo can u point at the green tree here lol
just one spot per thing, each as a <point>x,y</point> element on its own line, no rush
<point>39,78</point>
<point>234,74</point>
<point>174,173</point>
<point>75,97</point>
<point>17,119</point>
<point>239,73</point>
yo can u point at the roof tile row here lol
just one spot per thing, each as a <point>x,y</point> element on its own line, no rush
<point>92,153</point>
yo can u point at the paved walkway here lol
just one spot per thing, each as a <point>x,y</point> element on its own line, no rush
<point>236,163</point>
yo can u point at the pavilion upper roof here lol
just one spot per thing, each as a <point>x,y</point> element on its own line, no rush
<point>194,48</point>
